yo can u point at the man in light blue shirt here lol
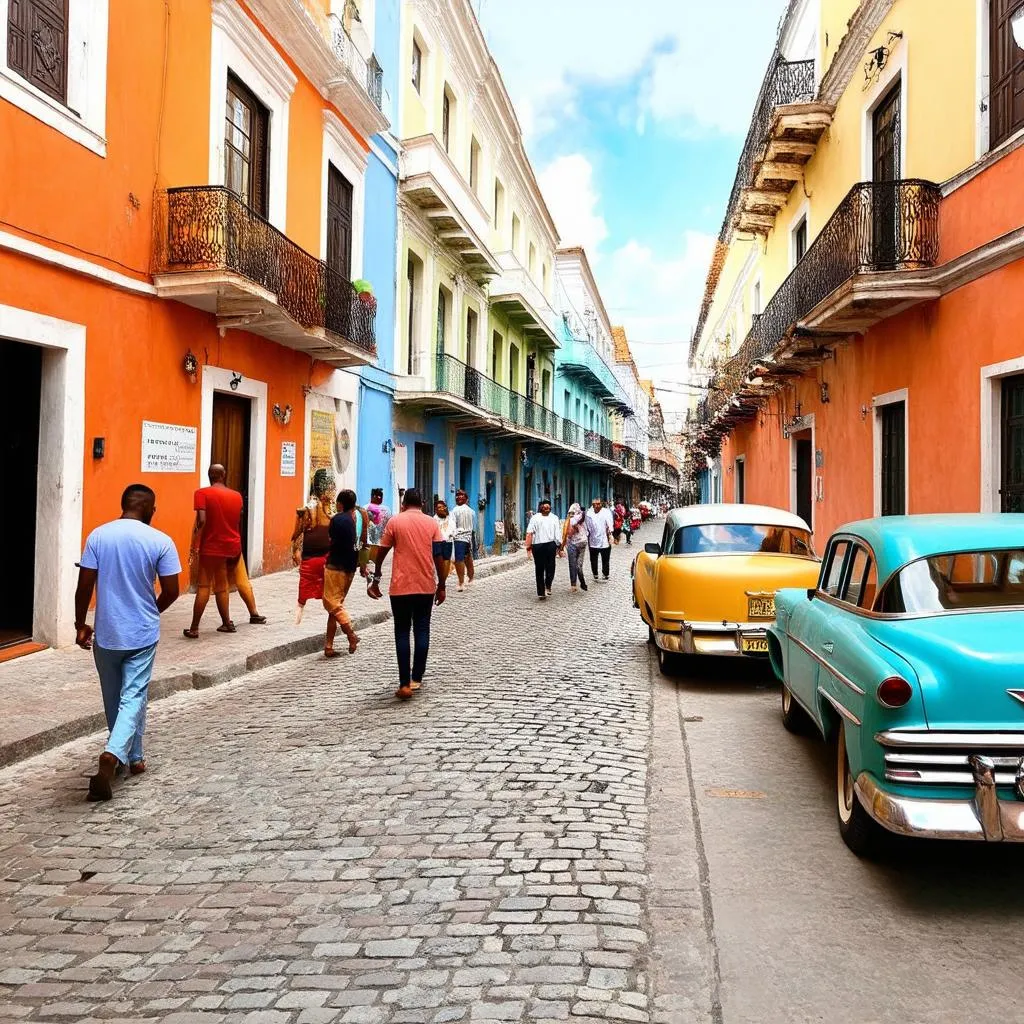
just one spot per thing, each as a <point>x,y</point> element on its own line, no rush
<point>121,561</point>
<point>599,525</point>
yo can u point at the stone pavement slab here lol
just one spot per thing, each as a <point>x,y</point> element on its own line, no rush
<point>53,696</point>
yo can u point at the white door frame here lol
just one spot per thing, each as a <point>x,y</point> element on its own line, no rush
<point>992,430</point>
<point>877,403</point>
<point>61,467</point>
<point>215,379</point>
<point>740,460</point>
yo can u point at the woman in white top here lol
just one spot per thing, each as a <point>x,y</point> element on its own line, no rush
<point>446,524</point>
<point>574,544</point>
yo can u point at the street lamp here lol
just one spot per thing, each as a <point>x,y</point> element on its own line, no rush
<point>1017,25</point>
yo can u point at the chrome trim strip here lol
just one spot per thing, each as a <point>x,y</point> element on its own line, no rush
<point>821,661</point>
<point>945,760</point>
<point>917,739</point>
<point>848,715</point>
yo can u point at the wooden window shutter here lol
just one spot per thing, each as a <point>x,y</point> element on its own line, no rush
<point>1006,74</point>
<point>261,160</point>
<point>37,44</point>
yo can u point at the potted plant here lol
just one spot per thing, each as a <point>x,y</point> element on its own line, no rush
<point>364,292</point>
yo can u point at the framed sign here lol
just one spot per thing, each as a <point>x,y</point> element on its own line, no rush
<point>168,448</point>
<point>287,458</point>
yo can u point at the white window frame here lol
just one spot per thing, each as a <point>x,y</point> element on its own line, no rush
<point>992,429</point>
<point>238,46</point>
<point>84,118</point>
<point>341,149</point>
<point>877,404</point>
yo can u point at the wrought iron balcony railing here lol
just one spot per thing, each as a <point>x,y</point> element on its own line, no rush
<point>579,358</point>
<point>367,73</point>
<point>454,377</point>
<point>208,228</point>
<point>879,226</point>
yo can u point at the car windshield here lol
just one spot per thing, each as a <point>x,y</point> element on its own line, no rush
<point>740,538</point>
<point>945,583</point>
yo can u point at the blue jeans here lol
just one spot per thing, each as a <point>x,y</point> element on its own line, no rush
<point>412,611</point>
<point>124,681</point>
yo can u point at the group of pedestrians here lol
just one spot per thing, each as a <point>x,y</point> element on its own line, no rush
<point>548,539</point>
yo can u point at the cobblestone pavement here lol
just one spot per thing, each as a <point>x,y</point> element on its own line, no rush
<point>306,849</point>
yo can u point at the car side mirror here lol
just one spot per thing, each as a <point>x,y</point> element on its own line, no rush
<point>653,549</point>
<point>811,591</point>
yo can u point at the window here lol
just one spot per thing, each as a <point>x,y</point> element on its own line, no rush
<point>944,583</point>
<point>832,572</point>
<point>1006,74</point>
<point>740,538</point>
<point>474,164</point>
<point>496,347</point>
<point>412,280</point>
<point>246,125</point>
<point>544,278</point>
<point>755,307</point>
<point>447,103</point>
<point>516,230</point>
<point>799,241</point>
<point>417,66</point>
<point>37,44</point>
<point>531,262</point>
<point>499,204</point>
<point>861,581</point>
<point>444,305</point>
<point>471,324</point>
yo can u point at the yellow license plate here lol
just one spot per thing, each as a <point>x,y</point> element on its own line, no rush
<point>760,607</point>
<point>754,645</point>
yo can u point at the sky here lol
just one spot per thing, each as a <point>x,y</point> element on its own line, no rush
<point>634,114</point>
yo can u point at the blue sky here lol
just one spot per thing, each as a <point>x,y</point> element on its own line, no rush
<point>634,115</point>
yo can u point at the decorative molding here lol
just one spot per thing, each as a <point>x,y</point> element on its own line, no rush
<point>337,131</point>
<point>232,21</point>
<point>847,60</point>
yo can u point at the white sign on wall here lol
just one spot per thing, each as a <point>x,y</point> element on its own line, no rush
<point>168,448</point>
<point>287,458</point>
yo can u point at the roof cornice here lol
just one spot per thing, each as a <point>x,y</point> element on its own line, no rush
<point>863,25</point>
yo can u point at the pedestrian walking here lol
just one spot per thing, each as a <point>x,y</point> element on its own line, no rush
<point>311,539</point>
<point>446,524</point>
<point>340,570</point>
<point>543,538</point>
<point>465,534</point>
<point>618,520</point>
<point>627,524</point>
<point>417,584</point>
<point>574,544</point>
<point>120,562</point>
<point>215,555</point>
<point>599,535</point>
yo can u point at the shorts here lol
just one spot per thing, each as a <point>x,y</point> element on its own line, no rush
<point>462,548</point>
<point>443,549</point>
<point>336,586</point>
<point>220,575</point>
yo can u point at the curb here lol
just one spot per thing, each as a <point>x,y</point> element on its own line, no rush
<point>204,678</point>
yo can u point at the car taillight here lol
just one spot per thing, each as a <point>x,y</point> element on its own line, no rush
<point>894,692</point>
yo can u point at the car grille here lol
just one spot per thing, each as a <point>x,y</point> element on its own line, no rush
<point>941,758</point>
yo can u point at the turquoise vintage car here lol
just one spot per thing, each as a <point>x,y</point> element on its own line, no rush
<point>909,655</point>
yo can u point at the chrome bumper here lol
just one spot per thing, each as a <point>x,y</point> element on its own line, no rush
<point>710,638</point>
<point>985,817</point>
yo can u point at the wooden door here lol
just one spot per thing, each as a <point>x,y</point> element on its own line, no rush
<point>1011,493</point>
<point>423,473</point>
<point>1006,74</point>
<point>339,223</point>
<point>232,422</point>
<point>894,459</point>
<point>885,167</point>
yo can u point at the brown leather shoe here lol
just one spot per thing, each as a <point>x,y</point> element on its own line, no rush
<point>101,784</point>
<point>137,767</point>
<point>404,693</point>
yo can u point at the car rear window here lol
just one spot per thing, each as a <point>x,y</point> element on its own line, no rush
<point>946,583</point>
<point>740,538</point>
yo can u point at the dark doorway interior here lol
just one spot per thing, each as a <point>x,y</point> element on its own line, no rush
<point>19,467</point>
<point>465,474</point>
<point>805,477</point>
<point>894,458</point>
<point>423,474</point>
<point>1011,491</point>
<point>232,419</point>
<point>741,480</point>
<point>885,166</point>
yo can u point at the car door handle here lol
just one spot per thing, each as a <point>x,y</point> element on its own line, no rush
<point>828,646</point>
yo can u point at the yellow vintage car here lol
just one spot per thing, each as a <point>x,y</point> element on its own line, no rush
<point>709,586</point>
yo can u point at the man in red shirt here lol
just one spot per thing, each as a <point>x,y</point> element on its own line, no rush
<point>217,546</point>
<point>417,584</point>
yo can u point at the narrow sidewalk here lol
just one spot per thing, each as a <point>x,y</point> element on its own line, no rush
<point>53,696</point>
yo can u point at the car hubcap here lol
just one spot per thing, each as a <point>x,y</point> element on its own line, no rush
<point>844,781</point>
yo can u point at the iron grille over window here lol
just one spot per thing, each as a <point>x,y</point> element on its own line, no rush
<point>37,44</point>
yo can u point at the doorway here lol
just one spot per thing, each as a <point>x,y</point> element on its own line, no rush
<point>465,474</point>
<point>423,472</point>
<point>893,428</point>
<point>741,480</point>
<point>803,476</point>
<point>231,434</point>
<point>1011,487</point>
<point>339,223</point>
<point>19,470</point>
<point>885,171</point>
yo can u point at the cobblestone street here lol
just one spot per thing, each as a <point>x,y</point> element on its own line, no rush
<point>305,848</point>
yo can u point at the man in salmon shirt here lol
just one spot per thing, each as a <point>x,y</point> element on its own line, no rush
<point>417,584</point>
<point>217,544</point>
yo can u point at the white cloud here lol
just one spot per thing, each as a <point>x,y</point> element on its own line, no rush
<point>568,187</point>
<point>699,62</point>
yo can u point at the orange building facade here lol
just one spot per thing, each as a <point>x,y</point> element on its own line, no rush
<point>884,373</point>
<point>175,277</point>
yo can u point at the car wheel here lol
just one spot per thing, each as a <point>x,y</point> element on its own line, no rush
<point>667,662</point>
<point>859,831</point>
<point>794,718</point>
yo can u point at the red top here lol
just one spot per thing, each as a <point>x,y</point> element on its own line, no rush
<point>412,535</point>
<point>221,537</point>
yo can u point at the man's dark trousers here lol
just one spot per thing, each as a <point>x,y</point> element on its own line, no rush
<point>606,561</point>
<point>544,566</point>
<point>412,612</point>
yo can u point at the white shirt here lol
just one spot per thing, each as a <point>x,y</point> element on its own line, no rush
<point>446,526</point>
<point>464,519</point>
<point>545,529</point>
<point>599,524</point>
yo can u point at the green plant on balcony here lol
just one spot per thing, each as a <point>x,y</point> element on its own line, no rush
<point>364,292</point>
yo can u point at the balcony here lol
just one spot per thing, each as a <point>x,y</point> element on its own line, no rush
<point>431,181</point>
<point>360,86</point>
<point>863,267</point>
<point>468,397</point>
<point>579,360</point>
<point>632,462</point>
<point>214,253</point>
<point>782,138</point>
<point>514,293</point>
